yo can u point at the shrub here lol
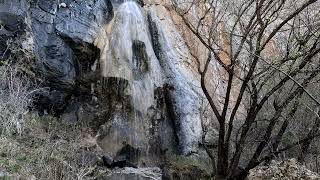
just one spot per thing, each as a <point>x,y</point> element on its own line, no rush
<point>15,97</point>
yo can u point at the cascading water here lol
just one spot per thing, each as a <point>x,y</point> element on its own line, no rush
<point>129,57</point>
<point>117,60</point>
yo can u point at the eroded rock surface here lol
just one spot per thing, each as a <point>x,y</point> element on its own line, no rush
<point>183,97</point>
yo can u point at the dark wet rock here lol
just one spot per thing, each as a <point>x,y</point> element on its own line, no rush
<point>50,7</point>
<point>56,63</point>
<point>139,58</point>
<point>129,152</point>
<point>50,102</point>
<point>85,54</point>
<point>12,23</point>
<point>140,2</point>
<point>62,36</point>
<point>154,36</point>
<point>107,160</point>
<point>72,113</point>
<point>115,86</point>
<point>162,131</point>
<point>119,161</point>
<point>42,16</point>
<point>82,20</point>
<point>122,161</point>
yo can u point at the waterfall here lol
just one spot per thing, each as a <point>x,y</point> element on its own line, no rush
<point>117,59</point>
<point>127,56</point>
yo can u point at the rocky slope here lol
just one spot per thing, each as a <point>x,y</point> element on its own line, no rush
<point>289,169</point>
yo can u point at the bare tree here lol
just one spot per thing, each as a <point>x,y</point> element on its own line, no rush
<point>269,51</point>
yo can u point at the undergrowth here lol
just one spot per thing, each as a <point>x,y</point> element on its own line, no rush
<point>40,147</point>
<point>49,150</point>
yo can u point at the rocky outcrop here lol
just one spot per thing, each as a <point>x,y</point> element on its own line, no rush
<point>61,37</point>
<point>63,34</point>
<point>183,97</point>
<point>289,169</point>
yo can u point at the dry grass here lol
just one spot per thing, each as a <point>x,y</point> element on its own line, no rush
<point>35,147</point>
<point>49,150</point>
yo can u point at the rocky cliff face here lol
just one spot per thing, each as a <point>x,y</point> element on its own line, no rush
<point>123,67</point>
